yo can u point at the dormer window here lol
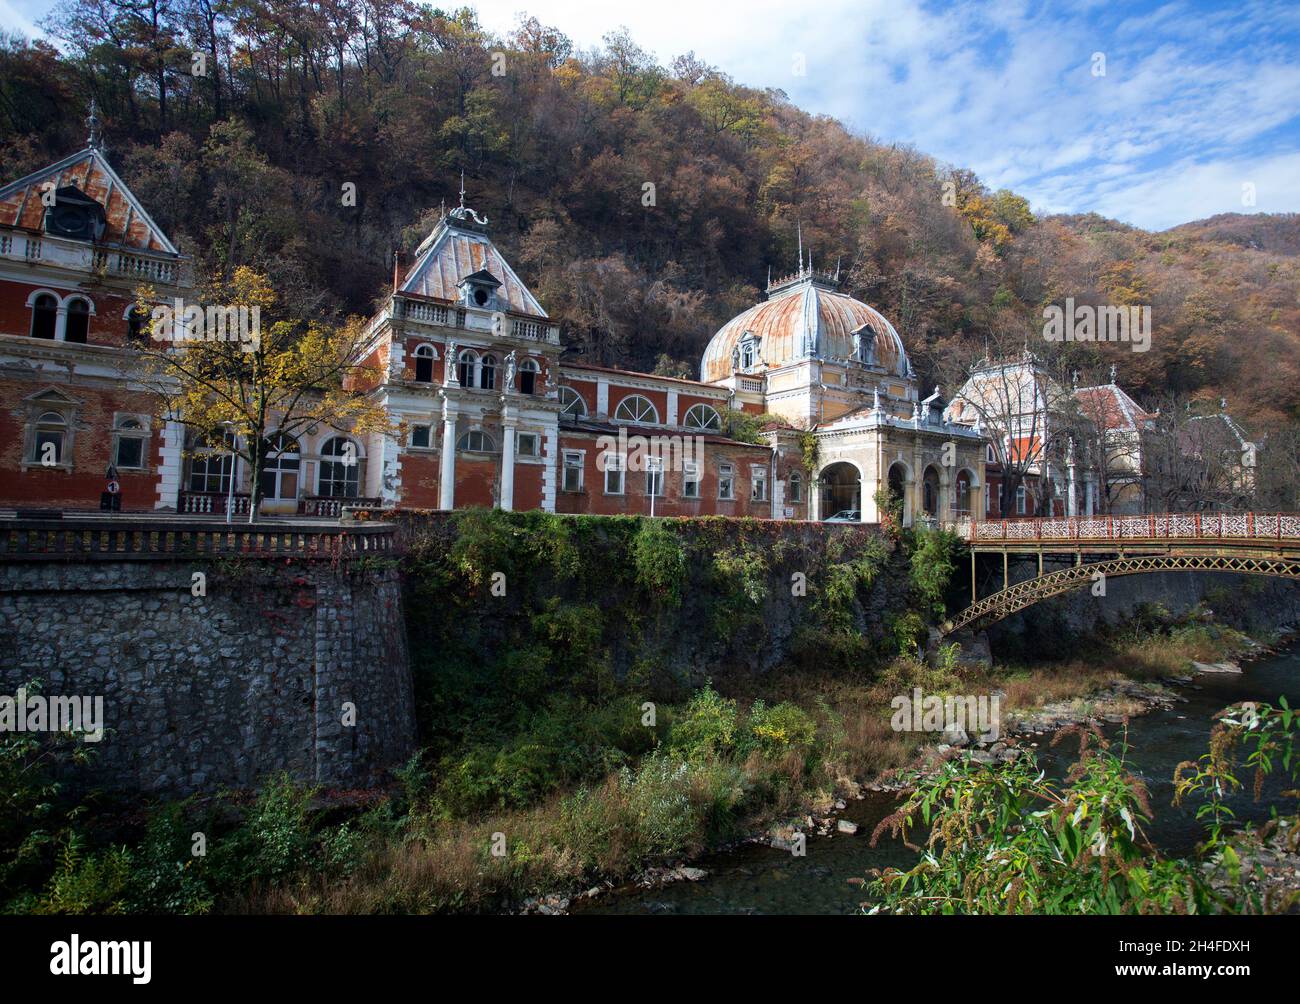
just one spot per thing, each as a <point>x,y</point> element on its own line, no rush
<point>748,356</point>
<point>479,290</point>
<point>865,345</point>
<point>74,215</point>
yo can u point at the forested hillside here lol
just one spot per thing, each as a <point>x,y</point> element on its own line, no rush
<point>246,161</point>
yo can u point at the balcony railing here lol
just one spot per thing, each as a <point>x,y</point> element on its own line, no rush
<point>211,504</point>
<point>1173,526</point>
<point>332,507</point>
<point>451,316</point>
<point>79,255</point>
<point>155,538</point>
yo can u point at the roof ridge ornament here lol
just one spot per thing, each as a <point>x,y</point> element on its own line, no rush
<point>92,128</point>
<point>462,212</point>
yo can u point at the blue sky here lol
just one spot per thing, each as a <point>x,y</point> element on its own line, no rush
<point>1197,99</point>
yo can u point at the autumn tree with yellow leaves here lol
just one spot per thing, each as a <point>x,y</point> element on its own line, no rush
<point>248,394</point>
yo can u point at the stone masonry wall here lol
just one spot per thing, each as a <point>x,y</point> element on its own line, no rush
<point>221,689</point>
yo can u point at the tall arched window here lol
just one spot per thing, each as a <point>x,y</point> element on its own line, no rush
<point>210,464</point>
<point>424,363</point>
<point>796,487</point>
<point>49,440</point>
<point>748,352</point>
<point>465,368</point>
<point>571,403</point>
<point>703,418</point>
<point>636,408</point>
<point>528,376</point>
<point>340,469</point>
<point>487,377</point>
<point>45,312</point>
<point>78,324</point>
<point>130,436</point>
<point>280,469</point>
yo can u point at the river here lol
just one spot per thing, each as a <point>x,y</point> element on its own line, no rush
<point>756,879</point>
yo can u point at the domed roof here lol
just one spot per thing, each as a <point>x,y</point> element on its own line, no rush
<point>806,317</point>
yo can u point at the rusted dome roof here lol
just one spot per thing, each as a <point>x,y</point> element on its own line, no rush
<point>807,318</point>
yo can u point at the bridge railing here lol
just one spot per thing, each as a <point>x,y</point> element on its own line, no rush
<point>1171,526</point>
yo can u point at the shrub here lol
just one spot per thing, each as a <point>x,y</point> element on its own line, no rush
<point>707,727</point>
<point>777,730</point>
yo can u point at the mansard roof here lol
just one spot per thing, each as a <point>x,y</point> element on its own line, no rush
<point>128,225</point>
<point>455,251</point>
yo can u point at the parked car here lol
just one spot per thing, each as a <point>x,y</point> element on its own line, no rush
<point>845,516</point>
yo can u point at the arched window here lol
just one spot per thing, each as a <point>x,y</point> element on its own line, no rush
<point>78,324</point>
<point>45,312</point>
<point>488,373</point>
<point>280,469</point>
<point>130,437</point>
<point>424,363</point>
<point>528,375</point>
<point>137,322</point>
<point>465,368</point>
<point>703,418</point>
<point>476,441</point>
<point>340,469</point>
<point>210,464</point>
<point>49,439</point>
<point>638,409</point>
<point>796,487</point>
<point>748,352</point>
<point>571,403</point>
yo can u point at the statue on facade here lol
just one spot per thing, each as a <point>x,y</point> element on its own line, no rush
<point>510,372</point>
<point>449,365</point>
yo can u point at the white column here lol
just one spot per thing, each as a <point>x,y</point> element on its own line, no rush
<point>507,500</point>
<point>61,324</point>
<point>447,476</point>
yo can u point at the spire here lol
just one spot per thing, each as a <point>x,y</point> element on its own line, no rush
<point>92,126</point>
<point>799,227</point>
<point>462,188</point>
<point>463,213</point>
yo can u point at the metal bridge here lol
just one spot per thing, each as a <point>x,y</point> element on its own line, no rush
<point>1108,546</point>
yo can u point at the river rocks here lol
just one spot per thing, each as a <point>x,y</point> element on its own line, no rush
<point>846,826</point>
<point>1216,667</point>
<point>553,905</point>
<point>955,735</point>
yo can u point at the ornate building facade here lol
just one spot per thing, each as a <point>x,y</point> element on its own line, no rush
<point>469,364</point>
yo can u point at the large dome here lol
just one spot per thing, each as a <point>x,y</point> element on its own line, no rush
<point>807,318</point>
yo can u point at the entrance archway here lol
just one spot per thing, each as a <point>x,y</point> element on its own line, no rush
<point>899,480</point>
<point>841,489</point>
<point>930,492</point>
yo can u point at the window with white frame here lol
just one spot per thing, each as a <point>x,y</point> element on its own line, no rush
<point>45,314</point>
<point>726,481</point>
<point>130,439</point>
<point>614,465</point>
<point>690,479</point>
<point>529,444</point>
<point>77,326</point>
<point>476,441</point>
<point>487,378</point>
<point>702,418</point>
<point>210,463</point>
<point>757,484</point>
<point>465,366</point>
<point>796,487</point>
<point>340,469</point>
<point>654,476</point>
<point>529,372</point>
<point>573,471</point>
<point>424,363</point>
<point>571,403</point>
<point>748,352</point>
<point>635,408</point>
<point>421,436</point>
<point>1020,500</point>
<point>49,440</point>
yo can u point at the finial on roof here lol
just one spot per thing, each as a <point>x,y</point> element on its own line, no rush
<point>463,212</point>
<point>92,126</point>
<point>799,230</point>
<point>1112,372</point>
<point>462,188</point>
